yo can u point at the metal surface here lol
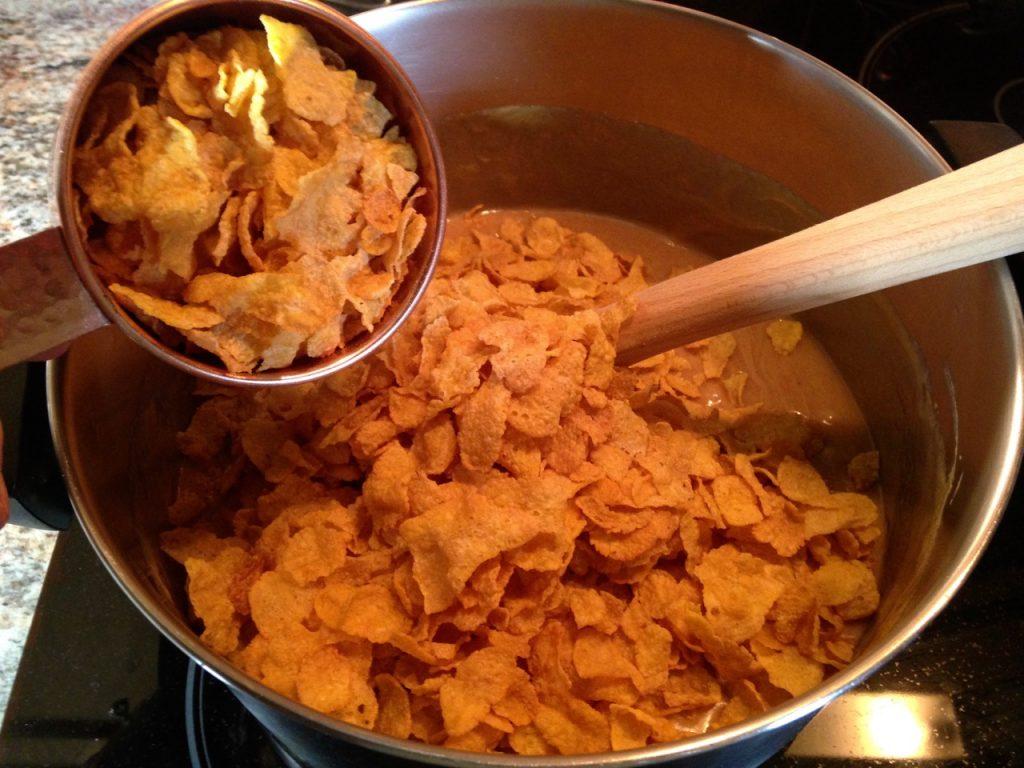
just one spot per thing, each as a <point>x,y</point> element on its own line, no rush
<point>883,726</point>
<point>705,130</point>
<point>35,306</point>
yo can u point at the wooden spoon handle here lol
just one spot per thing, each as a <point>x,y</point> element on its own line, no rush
<point>960,219</point>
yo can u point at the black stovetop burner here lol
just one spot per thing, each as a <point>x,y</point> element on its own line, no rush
<point>98,686</point>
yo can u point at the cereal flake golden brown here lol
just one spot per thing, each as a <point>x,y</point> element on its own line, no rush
<point>489,537</point>
<point>241,193</point>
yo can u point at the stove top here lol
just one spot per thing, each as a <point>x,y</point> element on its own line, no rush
<point>98,686</point>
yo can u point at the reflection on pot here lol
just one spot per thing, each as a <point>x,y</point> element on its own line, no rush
<point>883,726</point>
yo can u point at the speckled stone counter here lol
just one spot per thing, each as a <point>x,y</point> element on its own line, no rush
<point>24,555</point>
<point>43,46</point>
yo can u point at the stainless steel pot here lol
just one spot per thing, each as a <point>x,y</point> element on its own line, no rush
<point>713,133</point>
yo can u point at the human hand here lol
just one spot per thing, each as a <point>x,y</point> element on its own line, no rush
<point>4,506</point>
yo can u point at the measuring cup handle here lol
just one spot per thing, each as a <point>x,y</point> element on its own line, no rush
<point>43,304</point>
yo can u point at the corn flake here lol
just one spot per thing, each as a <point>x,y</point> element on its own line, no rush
<point>231,215</point>
<point>785,335</point>
<point>490,538</point>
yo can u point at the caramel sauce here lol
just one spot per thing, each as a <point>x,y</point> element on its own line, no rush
<point>804,385</point>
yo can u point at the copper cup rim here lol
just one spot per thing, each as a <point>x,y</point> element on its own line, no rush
<point>432,177</point>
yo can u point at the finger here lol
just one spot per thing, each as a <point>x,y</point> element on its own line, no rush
<point>5,510</point>
<point>4,504</point>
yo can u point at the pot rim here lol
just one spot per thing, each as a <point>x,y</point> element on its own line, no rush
<point>995,500</point>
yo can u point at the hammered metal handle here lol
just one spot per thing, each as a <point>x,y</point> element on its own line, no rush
<point>43,304</point>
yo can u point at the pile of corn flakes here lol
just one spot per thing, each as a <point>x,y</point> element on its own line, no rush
<point>490,537</point>
<point>240,192</point>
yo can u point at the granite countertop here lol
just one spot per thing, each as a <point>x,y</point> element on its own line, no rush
<point>43,46</point>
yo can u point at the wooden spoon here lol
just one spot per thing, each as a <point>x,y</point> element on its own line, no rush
<point>960,219</point>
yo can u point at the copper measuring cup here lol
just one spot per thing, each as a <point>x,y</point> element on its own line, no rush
<point>49,292</point>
